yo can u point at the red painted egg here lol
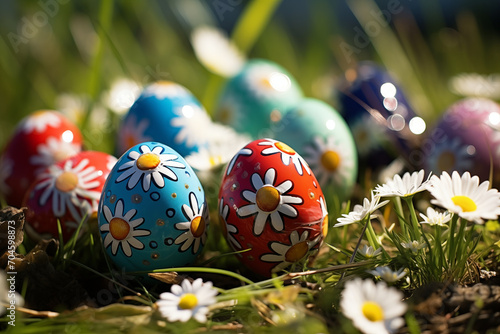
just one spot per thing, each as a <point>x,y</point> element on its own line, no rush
<point>69,191</point>
<point>271,203</point>
<point>40,140</point>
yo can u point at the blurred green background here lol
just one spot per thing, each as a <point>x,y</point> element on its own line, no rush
<point>49,48</point>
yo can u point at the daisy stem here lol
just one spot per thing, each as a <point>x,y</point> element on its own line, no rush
<point>413,218</point>
<point>399,211</point>
<point>460,241</point>
<point>439,247</point>
<point>371,236</point>
<point>451,240</point>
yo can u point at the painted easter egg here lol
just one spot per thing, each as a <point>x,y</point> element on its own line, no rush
<point>67,191</point>
<point>40,140</point>
<point>466,138</point>
<point>271,203</point>
<point>260,93</point>
<point>382,121</point>
<point>320,135</point>
<point>168,113</point>
<point>153,213</point>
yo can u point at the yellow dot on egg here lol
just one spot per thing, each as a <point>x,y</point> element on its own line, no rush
<point>148,161</point>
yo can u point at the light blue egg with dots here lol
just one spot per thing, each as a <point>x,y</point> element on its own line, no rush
<point>152,212</point>
<point>168,113</point>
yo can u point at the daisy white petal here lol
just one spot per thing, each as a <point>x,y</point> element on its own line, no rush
<point>387,274</point>
<point>405,186</point>
<point>434,217</point>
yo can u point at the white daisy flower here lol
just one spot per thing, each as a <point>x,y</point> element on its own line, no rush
<point>187,301</point>
<point>122,229</point>
<point>387,274</point>
<point>269,202</point>
<point>40,120</point>
<point>369,252</point>
<point>373,308</point>
<point>287,154</point>
<point>450,155</point>
<point>132,133</point>
<point>165,90</point>
<point>6,166</point>
<point>267,82</point>
<point>360,212</point>
<point>414,245</point>
<point>228,229</point>
<point>244,151</point>
<point>434,217</point>
<point>196,226</point>
<point>192,122</point>
<point>287,254</point>
<point>122,95</point>
<point>473,84</point>
<point>6,296</point>
<point>53,151</point>
<point>216,52</point>
<point>407,186</point>
<point>465,196</point>
<point>329,161</point>
<point>64,184</point>
<point>150,165</point>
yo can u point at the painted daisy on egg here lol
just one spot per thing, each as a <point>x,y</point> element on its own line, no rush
<point>132,133</point>
<point>267,82</point>
<point>53,151</point>
<point>186,301</point>
<point>196,225</point>
<point>387,274</point>
<point>407,186</point>
<point>434,217</point>
<point>269,202</point>
<point>122,229</point>
<point>324,219</point>
<point>228,229</point>
<point>464,196</point>
<point>360,212</point>
<point>287,154</point>
<point>40,120</point>
<point>373,308</point>
<point>165,90</point>
<point>287,254</point>
<point>450,155</point>
<point>329,162</point>
<point>192,122</point>
<point>64,184</point>
<point>150,165</point>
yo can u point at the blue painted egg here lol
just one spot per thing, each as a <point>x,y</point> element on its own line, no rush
<point>321,136</point>
<point>152,212</point>
<point>259,94</point>
<point>168,113</point>
<point>380,117</point>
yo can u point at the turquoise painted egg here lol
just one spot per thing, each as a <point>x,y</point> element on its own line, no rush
<point>322,137</point>
<point>168,113</point>
<point>260,93</point>
<point>152,212</point>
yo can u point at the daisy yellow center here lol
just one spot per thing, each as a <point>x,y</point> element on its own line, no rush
<point>465,203</point>
<point>284,148</point>
<point>148,161</point>
<point>119,228</point>
<point>198,226</point>
<point>267,198</point>
<point>222,224</point>
<point>324,226</point>
<point>188,301</point>
<point>296,252</point>
<point>330,160</point>
<point>66,182</point>
<point>266,82</point>
<point>372,311</point>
